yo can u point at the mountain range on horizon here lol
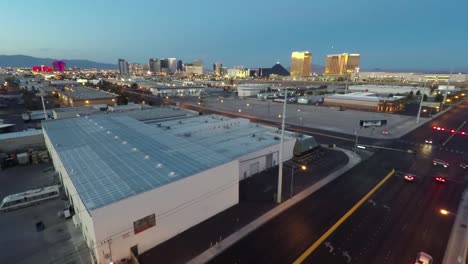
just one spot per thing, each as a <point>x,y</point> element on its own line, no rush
<point>25,61</point>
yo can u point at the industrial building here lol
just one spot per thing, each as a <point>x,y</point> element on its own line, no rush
<point>134,185</point>
<point>21,141</point>
<point>411,77</point>
<point>390,89</point>
<point>252,89</point>
<point>365,101</point>
<point>141,112</point>
<point>78,95</point>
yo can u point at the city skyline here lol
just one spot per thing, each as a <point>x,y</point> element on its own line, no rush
<point>383,41</point>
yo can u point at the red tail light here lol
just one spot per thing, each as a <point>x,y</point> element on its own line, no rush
<point>453,130</point>
<point>463,133</point>
<point>438,128</point>
<point>443,129</point>
<point>434,127</point>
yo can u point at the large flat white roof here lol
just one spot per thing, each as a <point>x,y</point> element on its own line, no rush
<point>110,158</point>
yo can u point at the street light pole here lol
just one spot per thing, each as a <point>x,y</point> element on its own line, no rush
<point>280,169</point>
<point>356,141</point>
<point>43,106</point>
<point>292,180</point>
<point>446,89</point>
<point>420,104</point>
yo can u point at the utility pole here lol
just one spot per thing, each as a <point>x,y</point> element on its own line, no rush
<point>280,169</point>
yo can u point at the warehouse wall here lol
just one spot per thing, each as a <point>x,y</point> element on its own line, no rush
<point>177,206</point>
<point>20,144</point>
<point>351,104</point>
<point>86,223</point>
<point>249,162</point>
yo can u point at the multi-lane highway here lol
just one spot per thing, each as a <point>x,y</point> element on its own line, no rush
<point>399,220</point>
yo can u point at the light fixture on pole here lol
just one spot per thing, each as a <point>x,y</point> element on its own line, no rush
<point>280,169</point>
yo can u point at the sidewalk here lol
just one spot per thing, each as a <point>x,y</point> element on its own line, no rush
<point>456,251</point>
<point>235,237</point>
<point>255,199</point>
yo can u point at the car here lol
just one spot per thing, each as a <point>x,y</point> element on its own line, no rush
<point>423,258</point>
<point>428,141</point>
<point>409,178</point>
<point>439,162</point>
<point>440,179</point>
<point>464,165</point>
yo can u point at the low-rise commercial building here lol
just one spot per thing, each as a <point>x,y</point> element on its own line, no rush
<point>134,185</point>
<point>389,89</point>
<point>252,89</point>
<point>81,96</point>
<point>365,101</point>
<point>411,77</point>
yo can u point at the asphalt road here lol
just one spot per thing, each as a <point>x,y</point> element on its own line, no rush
<point>401,220</point>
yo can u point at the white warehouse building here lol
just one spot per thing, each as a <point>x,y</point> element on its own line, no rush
<point>135,185</point>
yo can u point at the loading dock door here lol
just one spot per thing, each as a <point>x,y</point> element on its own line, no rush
<point>254,168</point>
<point>269,160</point>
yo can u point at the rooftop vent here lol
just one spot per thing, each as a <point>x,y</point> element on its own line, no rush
<point>180,122</point>
<point>172,174</point>
<point>253,135</point>
<point>159,165</point>
<point>187,134</point>
<point>146,157</point>
<point>108,132</point>
<point>116,137</point>
<point>125,142</point>
<point>276,138</point>
<point>134,149</point>
<point>158,125</point>
<point>168,127</point>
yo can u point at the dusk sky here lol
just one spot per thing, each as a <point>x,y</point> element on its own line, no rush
<point>398,34</point>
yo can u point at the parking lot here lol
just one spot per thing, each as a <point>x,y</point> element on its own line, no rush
<point>319,117</point>
<point>59,241</point>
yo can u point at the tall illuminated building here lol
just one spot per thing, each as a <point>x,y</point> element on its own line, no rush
<point>217,68</point>
<point>301,62</point>
<point>342,64</point>
<point>172,65</point>
<point>123,67</point>
<point>155,65</point>
<point>59,66</point>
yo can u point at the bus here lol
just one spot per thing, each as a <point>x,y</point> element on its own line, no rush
<point>29,198</point>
